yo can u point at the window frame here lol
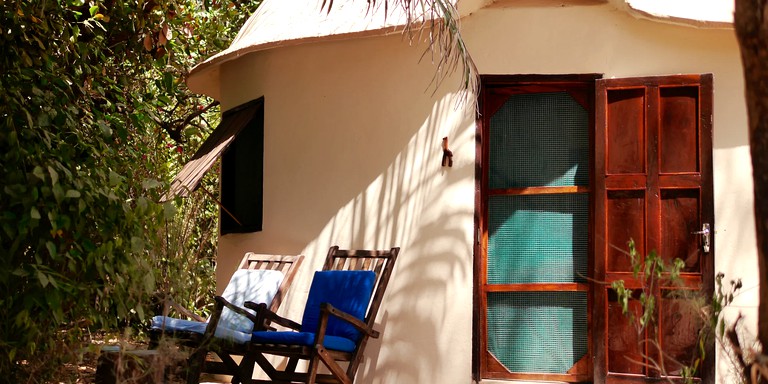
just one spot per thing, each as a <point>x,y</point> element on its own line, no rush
<point>241,207</point>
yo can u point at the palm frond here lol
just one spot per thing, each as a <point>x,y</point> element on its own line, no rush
<point>437,22</point>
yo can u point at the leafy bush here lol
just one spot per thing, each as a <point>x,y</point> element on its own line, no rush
<point>95,119</point>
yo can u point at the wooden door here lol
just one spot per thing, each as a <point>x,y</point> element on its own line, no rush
<point>533,292</point>
<point>653,184</point>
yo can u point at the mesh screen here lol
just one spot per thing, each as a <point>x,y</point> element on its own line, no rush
<point>538,332</point>
<point>538,238</point>
<point>539,140</point>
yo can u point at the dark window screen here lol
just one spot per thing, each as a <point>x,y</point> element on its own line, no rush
<point>242,178</point>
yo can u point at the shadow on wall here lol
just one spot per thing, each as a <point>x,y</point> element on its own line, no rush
<point>428,211</point>
<point>353,150</point>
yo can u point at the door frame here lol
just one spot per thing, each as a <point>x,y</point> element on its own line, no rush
<point>598,372</point>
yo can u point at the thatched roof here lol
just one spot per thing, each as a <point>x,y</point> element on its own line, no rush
<point>279,23</point>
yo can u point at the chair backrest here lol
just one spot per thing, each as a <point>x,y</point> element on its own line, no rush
<point>381,262</point>
<point>287,264</point>
<point>348,291</point>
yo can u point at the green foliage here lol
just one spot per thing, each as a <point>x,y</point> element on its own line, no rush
<point>95,119</point>
<point>655,274</point>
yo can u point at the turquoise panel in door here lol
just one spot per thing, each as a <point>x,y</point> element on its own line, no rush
<point>537,332</point>
<point>538,238</point>
<point>539,140</point>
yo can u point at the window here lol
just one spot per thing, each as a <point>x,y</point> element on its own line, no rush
<point>239,140</point>
<point>569,167</point>
<point>242,177</point>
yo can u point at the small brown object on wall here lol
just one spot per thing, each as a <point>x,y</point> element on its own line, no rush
<point>447,154</point>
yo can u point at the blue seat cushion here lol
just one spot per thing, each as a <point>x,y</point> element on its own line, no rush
<point>335,343</point>
<point>348,291</point>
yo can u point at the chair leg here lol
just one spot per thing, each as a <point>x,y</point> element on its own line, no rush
<point>195,366</point>
<point>334,367</point>
<point>292,363</point>
<point>312,368</point>
<point>154,341</point>
<point>245,370</point>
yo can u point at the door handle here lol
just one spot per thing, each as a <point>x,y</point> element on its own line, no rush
<point>705,234</point>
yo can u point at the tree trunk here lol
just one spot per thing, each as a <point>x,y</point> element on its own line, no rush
<point>751,24</point>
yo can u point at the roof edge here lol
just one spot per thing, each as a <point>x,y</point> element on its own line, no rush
<point>203,78</point>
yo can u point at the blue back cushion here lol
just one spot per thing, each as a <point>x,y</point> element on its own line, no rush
<point>349,291</point>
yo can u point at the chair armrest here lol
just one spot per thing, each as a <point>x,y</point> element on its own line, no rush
<point>168,301</point>
<point>327,309</point>
<point>219,304</point>
<point>266,316</point>
<point>224,303</point>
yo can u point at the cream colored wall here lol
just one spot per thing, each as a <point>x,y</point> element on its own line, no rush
<point>352,147</point>
<point>352,157</point>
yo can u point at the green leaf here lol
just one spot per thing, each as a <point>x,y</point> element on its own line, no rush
<point>137,244</point>
<point>168,81</point>
<point>93,10</point>
<point>114,178</point>
<point>34,213</point>
<point>72,193</point>
<point>169,210</point>
<point>28,62</point>
<point>58,192</point>
<point>54,175</point>
<point>42,278</point>
<point>151,184</point>
<point>105,129</point>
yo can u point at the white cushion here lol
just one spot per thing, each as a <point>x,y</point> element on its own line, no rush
<point>258,286</point>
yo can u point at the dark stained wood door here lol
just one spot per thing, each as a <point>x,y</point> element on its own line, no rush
<point>653,184</point>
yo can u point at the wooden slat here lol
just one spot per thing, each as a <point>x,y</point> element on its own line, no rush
<point>538,190</point>
<point>625,182</point>
<point>691,180</point>
<point>540,287</point>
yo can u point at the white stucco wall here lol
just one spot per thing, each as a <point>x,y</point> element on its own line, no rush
<point>352,158</point>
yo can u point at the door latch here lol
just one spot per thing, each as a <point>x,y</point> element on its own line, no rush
<point>705,233</point>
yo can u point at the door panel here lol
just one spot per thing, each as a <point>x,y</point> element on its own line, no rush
<point>534,237</point>
<point>678,146</point>
<point>625,144</point>
<point>624,343</point>
<point>626,207</point>
<point>679,216</point>
<point>653,184</point>
<point>679,323</point>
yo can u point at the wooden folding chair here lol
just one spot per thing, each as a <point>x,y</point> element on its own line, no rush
<point>338,321</point>
<point>266,277</point>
